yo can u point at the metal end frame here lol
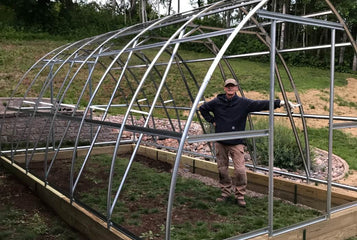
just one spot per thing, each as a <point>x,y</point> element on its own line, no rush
<point>133,73</point>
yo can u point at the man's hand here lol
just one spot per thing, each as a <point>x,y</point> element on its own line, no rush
<point>291,105</point>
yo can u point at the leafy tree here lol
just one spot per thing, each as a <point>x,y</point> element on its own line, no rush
<point>77,19</point>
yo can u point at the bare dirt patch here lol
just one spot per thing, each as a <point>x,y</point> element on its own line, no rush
<point>317,102</point>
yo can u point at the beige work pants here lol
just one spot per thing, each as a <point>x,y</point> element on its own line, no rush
<point>240,176</point>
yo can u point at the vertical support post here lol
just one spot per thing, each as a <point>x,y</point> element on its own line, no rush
<point>330,135</point>
<point>90,69</point>
<point>50,76</point>
<point>271,127</point>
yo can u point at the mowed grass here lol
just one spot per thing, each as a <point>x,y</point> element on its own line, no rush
<point>145,194</point>
<point>17,56</point>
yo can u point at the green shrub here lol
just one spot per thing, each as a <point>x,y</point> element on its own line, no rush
<point>286,151</point>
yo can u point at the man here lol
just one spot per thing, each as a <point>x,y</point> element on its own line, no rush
<point>230,114</point>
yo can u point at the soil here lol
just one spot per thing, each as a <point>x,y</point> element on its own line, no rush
<point>15,195</point>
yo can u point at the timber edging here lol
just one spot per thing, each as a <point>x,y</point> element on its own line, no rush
<point>298,193</point>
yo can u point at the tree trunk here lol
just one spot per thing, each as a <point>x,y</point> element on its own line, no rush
<point>282,31</point>
<point>143,11</point>
<point>199,3</point>
<point>321,41</point>
<point>354,64</point>
<point>295,33</point>
<point>228,19</point>
<point>169,8</point>
<point>132,9</point>
<point>342,49</point>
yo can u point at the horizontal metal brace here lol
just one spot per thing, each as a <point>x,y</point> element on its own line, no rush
<point>67,105</point>
<point>28,102</point>
<point>175,41</point>
<point>244,55</point>
<point>344,125</point>
<point>168,101</point>
<point>42,149</point>
<point>326,117</point>
<point>48,104</point>
<point>29,108</point>
<point>298,19</point>
<point>251,234</point>
<point>227,136</point>
<point>140,112</point>
<point>97,108</point>
<point>113,105</point>
<point>147,106</point>
<point>130,128</point>
<point>72,61</point>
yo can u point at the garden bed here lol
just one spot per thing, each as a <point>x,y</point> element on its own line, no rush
<point>141,206</point>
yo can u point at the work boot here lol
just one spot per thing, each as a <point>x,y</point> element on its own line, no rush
<point>241,203</point>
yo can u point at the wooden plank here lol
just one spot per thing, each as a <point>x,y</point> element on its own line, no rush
<point>148,152</point>
<point>306,194</point>
<point>40,156</point>
<point>341,225</point>
<point>67,154</point>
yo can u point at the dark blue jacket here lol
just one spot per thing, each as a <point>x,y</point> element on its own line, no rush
<point>231,114</point>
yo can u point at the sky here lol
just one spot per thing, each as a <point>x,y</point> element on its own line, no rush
<point>184,5</point>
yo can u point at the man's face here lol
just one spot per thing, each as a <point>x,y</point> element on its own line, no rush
<point>230,90</point>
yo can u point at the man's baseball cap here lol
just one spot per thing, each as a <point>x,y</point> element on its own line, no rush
<point>230,81</point>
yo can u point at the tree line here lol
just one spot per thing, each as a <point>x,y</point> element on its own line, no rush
<point>74,20</point>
